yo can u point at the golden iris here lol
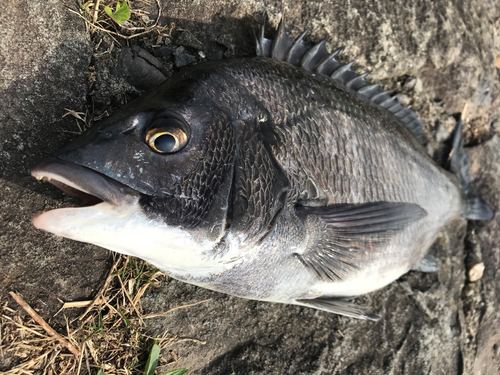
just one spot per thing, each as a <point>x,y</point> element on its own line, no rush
<point>166,140</point>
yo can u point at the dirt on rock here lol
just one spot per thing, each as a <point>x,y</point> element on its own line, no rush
<point>441,55</point>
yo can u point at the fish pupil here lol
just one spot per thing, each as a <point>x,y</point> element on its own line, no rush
<point>165,143</point>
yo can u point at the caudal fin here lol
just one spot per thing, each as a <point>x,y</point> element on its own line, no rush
<point>474,207</point>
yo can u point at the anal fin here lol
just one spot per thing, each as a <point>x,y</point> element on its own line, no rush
<point>339,306</point>
<point>428,265</point>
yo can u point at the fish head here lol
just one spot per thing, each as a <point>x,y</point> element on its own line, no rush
<point>155,180</point>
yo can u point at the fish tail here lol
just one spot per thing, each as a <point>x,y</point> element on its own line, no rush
<point>474,208</point>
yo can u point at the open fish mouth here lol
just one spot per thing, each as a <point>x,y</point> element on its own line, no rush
<point>112,217</point>
<point>98,193</point>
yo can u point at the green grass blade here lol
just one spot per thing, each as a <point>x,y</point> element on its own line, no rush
<point>124,319</point>
<point>152,362</point>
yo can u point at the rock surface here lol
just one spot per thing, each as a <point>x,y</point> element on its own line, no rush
<point>43,72</point>
<point>44,55</point>
<point>430,323</point>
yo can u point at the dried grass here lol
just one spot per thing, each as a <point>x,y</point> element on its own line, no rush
<point>110,335</point>
<point>139,24</point>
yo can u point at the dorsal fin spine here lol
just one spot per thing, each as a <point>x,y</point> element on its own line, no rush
<point>329,63</point>
<point>401,113</point>
<point>313,56</point>
<point>340,74</point>
<point>357,82</point>
<point>297,50</point>
<point>380,97</point>
<point>316,59</point>
<point>370,90</point>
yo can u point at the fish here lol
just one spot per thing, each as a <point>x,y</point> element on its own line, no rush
<point>286,177</point>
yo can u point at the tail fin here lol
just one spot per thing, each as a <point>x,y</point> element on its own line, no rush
<point>474,207</point>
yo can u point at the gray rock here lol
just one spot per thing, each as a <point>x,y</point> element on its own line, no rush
<point>140,68</point>
<point>227,40</point>
<point>480,357</point>
<point>163,51</point>
<point>187,39</point>
<point>44,55</point>
<point>183,59</point>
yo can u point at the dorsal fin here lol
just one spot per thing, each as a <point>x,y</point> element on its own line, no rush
<point>317,59</point>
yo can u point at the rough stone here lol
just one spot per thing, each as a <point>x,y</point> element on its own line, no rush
<point>163,51</point>
<point>140,68</point>
<point>485,171</point>
<point>187,39</point>
<point>183,59</point>
<point>44,54</point>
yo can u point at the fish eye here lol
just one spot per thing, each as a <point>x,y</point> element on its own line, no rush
<point>166,139</point>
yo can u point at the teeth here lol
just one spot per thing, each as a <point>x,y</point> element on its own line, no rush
<point>43,178</point>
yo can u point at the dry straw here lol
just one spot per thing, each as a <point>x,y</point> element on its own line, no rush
<point>109,335</point>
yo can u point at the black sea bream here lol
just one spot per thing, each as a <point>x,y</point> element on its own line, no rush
<point>285,178</point>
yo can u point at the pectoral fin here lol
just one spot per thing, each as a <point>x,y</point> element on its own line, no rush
<point>339,306</point>
<point>349,233</point>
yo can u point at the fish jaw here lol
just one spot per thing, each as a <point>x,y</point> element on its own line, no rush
<point>117,221</point>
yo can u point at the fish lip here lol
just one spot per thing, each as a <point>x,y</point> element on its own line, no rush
<point>71,177</point>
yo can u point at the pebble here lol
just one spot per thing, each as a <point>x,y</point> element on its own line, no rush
<point>187,39</point>
<point>163,51</point>
<point>476,272</point>
<point>403,99</point>
<point>179,50</point>
<point>409,83</point>
<point>183,59</point>
<point>419,86</point>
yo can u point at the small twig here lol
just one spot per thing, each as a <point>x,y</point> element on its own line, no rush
<point>29,363</point>
<point>156,315</point>
<point>87,362</point>
<point>130,300</point>
<point>80,361</point>
<point>22,326</point>
<point>44,324</point>
<point>96,10</point>
<point>51,360</point>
